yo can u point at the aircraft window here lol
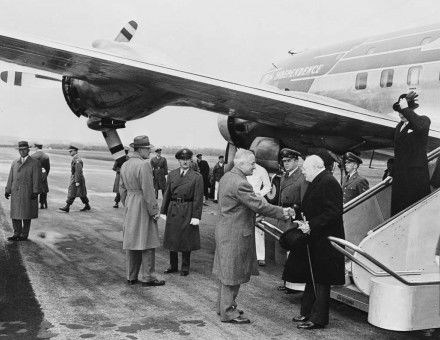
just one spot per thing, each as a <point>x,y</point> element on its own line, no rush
<point>386,78</point>
<point>413,75</point>
<point>426,40</point>
<point>361,81</point>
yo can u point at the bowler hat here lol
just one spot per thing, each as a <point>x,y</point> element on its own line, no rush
<point>289,153</point>
<point>23,145</point>
<point>184,154</point>
<point>71,147</point>
<point>351,157</point>
<point>141,142</point>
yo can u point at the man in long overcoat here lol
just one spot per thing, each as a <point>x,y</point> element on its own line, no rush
<point>204,170</point>
<point>322,209</point>
<point>160,171</point>
<point>23,186</point>
<point>217,173</point>
<point>235,257</point>
<point>353,184</point>
<point>140,232</point>
<point>117,168</point>
<point>44,160</point>
<point>410,169</point>
<point>182,209</point>
<point>77,184</point>
<point>293,186</point>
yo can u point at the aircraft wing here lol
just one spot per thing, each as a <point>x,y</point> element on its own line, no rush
<point>301,112</point>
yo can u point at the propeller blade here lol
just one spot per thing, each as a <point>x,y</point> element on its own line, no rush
<point>127,32</point>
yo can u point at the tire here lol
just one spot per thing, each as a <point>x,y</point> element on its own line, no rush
<point>273,196</point>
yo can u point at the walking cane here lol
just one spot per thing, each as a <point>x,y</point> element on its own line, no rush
<point>310,261</point>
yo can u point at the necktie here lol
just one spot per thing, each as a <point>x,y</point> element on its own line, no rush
<point>403,126</point>
<point>181,174</point>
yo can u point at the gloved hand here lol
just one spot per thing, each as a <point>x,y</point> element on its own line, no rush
<point>194,221</point>
<point>411,98</point>
<point>34,196</point>
<point>156,217</point>
<point>163,216</point>
<point>7,195</point>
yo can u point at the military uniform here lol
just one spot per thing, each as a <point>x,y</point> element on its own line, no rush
<point>182,203</point>
<point>353,184</point>
<point>44,160</point>
<point>160,170</point>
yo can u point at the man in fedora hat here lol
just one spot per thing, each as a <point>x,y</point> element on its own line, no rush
<point>160,171</point>
<point>77,185</point>
<point>182,209</point>
<point>140,232</point>
<point>353,184</point>
<point>44,160</point>
<point>23,187</point>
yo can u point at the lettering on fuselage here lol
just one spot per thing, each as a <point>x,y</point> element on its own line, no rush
<point>306,71</point>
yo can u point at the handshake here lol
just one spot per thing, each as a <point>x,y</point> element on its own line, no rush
<point>289,213</point>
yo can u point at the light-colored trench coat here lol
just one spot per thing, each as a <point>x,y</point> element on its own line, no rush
<point>235,257</point>
<point>23,181</point>
<point>138,196</point>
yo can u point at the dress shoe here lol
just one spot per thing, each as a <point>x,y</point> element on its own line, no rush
<point>309,325</point>
<point>41,206</point>
<point>45,205</point>
<point>86,207</point>
<point>300,318</point>
<point>238,310</point>
<point>261,263</point>
<point>22,238</point>
<point>170,270</point>
<point>239,320</point>
<point>132,282</point>
<point>116,206</point>
<point>14,238</point>
<point>281,288</point>
<point>184,273</point>
<point>155,282</point>
<point>65,208</point>
<point>292,291</point>
<point>215,201</point>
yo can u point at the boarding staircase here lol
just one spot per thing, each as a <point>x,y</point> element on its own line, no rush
<point>391,272</point>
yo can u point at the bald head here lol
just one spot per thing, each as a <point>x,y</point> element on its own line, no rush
<point>245,161</point>
<point>312,166</point>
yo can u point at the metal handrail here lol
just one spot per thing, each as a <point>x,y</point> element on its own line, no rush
<point>381,186</point>
<point>335,242</point>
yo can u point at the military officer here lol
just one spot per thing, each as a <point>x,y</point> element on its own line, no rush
<point>44,160</point>
<point>353,184</point>
<point>182,209</point>
<point>160,170</point>
<point>77,185</point>
<point>292,188</point>
<point>23,186</point>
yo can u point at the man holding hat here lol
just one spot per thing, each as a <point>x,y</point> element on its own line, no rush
<point>160,170</point>
<point>77,185</point>
<point>44,160</point>
<point>292,188</point>
<point>182,209</point>
<point>23,187</point>
<point>140,232</point>
<point>353,184</point>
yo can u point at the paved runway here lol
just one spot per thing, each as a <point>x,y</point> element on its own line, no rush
<point>76,287</point>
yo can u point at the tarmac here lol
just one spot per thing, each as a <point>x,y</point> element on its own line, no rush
<point>68,281</point>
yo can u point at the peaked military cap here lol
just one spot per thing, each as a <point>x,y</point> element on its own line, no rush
<point>38,145</point>
<point>23,145</point>
<point>184,154</point>
<point>71,147</point>
<point>199,155</point>
<point>351,157</point>
<point>289,153</point>
<point>158,150</point>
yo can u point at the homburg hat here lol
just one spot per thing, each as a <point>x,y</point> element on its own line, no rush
<point>184,154</point>
<point>141,142</point>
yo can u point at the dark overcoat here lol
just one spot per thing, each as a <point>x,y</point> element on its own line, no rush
<point>410,170</point>
<point>77,176</point>
<point>204,171</point>
<point>44,160</point>
<point>354,186</point>
<point>218,171</point>
<point>182,201</point>
<point>23,181</point>
<point>117,168</point>
<point>292,190</point>
<point>160,170</point>
<point>235,257</point>
<point>322,207</point>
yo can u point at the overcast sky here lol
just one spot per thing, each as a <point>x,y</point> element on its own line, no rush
<point>233,40</point>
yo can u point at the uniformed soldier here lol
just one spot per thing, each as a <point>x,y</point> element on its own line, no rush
<point>292,188</point>
<point>77,185</point>
<point>44,160</point>
<point>160,170</point>
<point>182,209</point>
<point>353,184</point>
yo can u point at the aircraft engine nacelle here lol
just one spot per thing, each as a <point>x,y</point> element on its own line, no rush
<point>266,152</point>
